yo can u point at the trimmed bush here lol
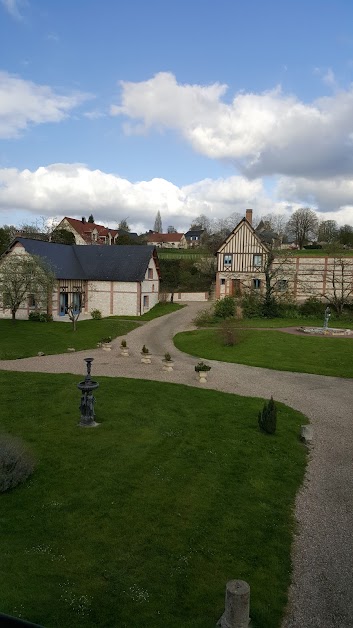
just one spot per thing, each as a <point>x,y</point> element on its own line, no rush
<point>268,417</point>
<point>96,315</point>
<point>40,317</point>
<point>225,308</point>
<point>16,463</point>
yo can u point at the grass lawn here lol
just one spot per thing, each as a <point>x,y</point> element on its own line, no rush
<point>342,323</point>
<point>158,310</point>
<point>141,521</point>
<point>274,350</point>
<point>23,339</point>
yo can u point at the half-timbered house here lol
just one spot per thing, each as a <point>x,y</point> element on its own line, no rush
<point>241,261</point>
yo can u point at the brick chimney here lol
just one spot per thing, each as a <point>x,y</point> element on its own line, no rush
<point>248,215</point>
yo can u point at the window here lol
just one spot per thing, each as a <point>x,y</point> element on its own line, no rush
<point>31,301</point>
<point>223,282</point>
<point>227,261</point>
<point>282,285</point>
<point>153,287</point>
<point>150,273</point>
<point>257,261</point>
<point>256,284</point>
<point>145,301</point>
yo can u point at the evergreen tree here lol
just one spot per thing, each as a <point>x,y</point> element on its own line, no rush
<point>90,218</point>
<point>158,223</point>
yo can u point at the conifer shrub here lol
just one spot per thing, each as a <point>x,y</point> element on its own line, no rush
<point>268,417</point>
<point>96,315</point>
<point>16,462</point>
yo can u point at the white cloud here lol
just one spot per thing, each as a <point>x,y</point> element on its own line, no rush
<point>75,190</point>
<point>14,7</point>
<point>24,103</point>
<point>263,134</point>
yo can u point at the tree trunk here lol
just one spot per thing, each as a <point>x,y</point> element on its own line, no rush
<point>13,313</point>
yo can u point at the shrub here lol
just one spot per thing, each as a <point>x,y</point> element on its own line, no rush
<point>40,317</point>
<point>268,417</point>
<point>144,350</point>
<point>228,333</point>
<point>204,318</point>
<point>225,308</point>
<point>252,305</point>
<point>123,344</point>
<point>96,315</point>
<point>106,340</point>
<point>312,307</point>
<point>167,357</point>
<point>16,463</point>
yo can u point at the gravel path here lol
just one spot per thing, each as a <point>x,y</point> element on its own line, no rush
<point>321,595</point>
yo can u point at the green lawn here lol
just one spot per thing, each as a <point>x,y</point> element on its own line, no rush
<point>341,323</point>
<point>141,521</point>
<point>274,350</point>
<point>23,339</point>
<point>158,310</point>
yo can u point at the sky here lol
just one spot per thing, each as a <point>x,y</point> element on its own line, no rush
<point>122,108</point>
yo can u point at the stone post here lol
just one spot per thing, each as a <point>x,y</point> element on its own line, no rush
<point>237,605</point>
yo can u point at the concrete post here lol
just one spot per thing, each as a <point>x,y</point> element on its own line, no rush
<point>237,605</point>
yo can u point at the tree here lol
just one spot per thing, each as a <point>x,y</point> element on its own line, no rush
<point>63,236</point>
<point>303,225</point>
<point>345,235</point>
<point>90,218</point>
<point>123,226</point>
<point>7,234</point>
<point>158,223</point>
<point>22,276</point>
<point>171,229</point>
<point>339,285</point>
<point>328,231</point>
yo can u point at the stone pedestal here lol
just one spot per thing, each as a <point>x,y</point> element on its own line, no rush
<point>237,605</point>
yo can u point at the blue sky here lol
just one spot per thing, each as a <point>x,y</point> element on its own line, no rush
<point>122,109</point>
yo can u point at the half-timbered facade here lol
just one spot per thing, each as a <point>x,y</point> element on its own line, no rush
<point>241,262</point>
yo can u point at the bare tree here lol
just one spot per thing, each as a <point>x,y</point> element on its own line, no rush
<point>339,283</point>
<point>303,225</point>
<point>22,276</point>
<point>74,308</point>
<point>171,229</point>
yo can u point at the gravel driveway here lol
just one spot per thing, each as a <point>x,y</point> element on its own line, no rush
<point>321,595</point>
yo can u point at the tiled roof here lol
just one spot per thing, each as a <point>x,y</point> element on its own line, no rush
<point>97,263</point>
<point>164,237</point>
<point>85,229</point>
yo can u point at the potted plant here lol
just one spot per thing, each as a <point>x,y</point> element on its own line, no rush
<point>146,358</point>
<point>105,343</point>
<point>167,362</point>
<point>202,369</point>
<point>124,348</point>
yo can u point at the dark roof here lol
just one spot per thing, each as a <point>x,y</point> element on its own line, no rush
<point>194,232</point>
<point>98,263</point>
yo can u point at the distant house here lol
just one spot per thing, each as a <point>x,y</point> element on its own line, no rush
<point>193,237</point>
<point>241,261</point>
<point>167,240</point>
<point>120,280</point>
<point>88,232</point>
